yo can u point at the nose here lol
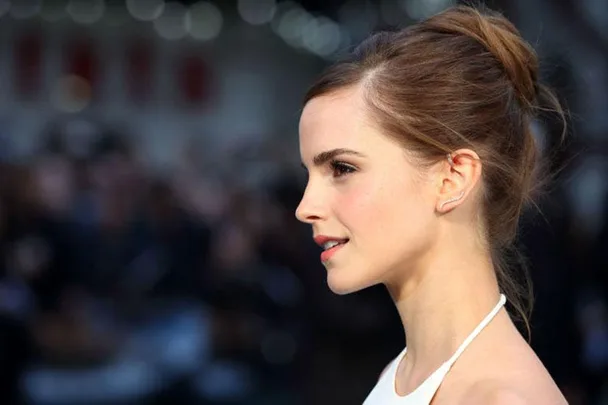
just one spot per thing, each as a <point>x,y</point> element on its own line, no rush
<point>309,210</point>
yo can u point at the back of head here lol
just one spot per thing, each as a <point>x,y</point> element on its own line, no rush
<point>464,78</point>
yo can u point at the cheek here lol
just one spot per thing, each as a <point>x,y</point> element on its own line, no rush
<point>367,207</point>
<point>354,208</point>
<point>376,210</point>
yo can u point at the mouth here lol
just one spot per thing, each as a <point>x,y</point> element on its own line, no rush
<point>330,246</point>
<point>328,242</point>
<point>333,243</point>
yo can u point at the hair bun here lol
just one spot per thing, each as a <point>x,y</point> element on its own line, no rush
<point>502,39</point>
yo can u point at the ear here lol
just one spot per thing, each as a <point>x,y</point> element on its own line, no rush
<point>458,175</point>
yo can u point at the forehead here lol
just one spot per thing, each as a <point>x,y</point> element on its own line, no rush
<point>341,120</point>
<point>335,120</point>
<point>333,107</point>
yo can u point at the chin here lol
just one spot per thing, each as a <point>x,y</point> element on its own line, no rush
<point>342,282</point>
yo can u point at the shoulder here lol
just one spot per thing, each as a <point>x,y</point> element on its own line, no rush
<point>495,396</point>
<point>513,375</point>
<point>494,393</point>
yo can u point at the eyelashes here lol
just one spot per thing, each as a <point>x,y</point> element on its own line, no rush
<point>341,169</point>
<point>337,168</point>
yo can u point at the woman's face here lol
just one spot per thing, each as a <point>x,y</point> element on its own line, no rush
<point>363,193</point>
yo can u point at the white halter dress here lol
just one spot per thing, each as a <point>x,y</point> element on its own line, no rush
<point>384,391</point>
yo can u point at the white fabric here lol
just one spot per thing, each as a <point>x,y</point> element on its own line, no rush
<point>384,391</point>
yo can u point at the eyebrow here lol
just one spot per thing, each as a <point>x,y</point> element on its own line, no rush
<point>328,155</point>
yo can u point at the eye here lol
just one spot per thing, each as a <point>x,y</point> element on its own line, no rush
<point>341,169</point>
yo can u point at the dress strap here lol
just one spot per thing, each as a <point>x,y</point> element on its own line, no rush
<point>477,331</point>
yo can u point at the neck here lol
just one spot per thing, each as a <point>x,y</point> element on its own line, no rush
<point>441,306</point>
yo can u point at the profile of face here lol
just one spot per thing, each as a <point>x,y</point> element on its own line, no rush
<point>365,193</point>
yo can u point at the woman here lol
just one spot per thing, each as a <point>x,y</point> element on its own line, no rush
<point>420,157</point>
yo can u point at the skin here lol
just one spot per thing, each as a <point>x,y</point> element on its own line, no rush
<point>364,186</point>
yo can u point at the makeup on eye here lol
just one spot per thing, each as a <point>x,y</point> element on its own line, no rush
<point>329,156</point>
<point>341,168</point>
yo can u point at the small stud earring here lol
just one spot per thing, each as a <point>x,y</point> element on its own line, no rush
<point>456,198</point>
<point>450,159</point>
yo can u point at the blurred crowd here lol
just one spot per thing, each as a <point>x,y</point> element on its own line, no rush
<point>123,285</point>
<point>119,284</point>
<point>124,282</point>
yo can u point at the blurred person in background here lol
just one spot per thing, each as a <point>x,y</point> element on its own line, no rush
<point>420,156</point>
<point>146,191</point>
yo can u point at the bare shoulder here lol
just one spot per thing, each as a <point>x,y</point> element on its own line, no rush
<point>512,375</point>
<point>519,381</point>
<point>480,395</point>
<point>497,393</point>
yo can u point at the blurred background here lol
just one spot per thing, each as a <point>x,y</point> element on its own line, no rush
<point>149,173</point>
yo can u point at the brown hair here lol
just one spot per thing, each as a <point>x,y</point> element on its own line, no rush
<point>462,78</point>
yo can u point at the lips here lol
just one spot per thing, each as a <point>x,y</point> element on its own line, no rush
<point>331,245</point>
<point>328,241</point>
